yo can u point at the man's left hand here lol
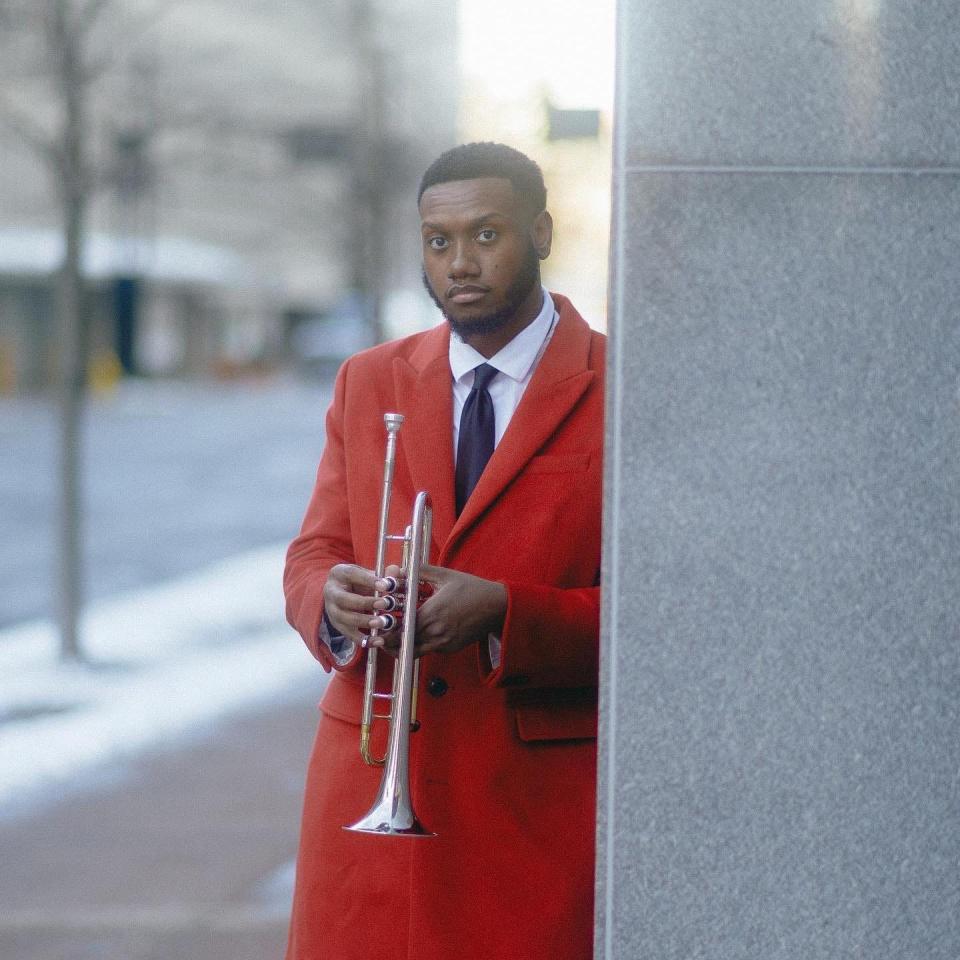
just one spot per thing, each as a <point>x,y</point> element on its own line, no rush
<point>463,610</point>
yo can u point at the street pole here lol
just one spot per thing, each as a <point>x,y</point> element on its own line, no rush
<point>72,326</point>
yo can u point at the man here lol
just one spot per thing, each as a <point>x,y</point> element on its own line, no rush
<point>503,765</point>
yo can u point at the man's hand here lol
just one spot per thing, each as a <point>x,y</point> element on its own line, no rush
<point>348,599</point>
<point>463,610</point>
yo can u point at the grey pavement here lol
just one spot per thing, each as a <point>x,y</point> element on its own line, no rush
<point>188,853</point>
<point>175,476</point>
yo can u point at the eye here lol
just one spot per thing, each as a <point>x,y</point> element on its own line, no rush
<point>487,235</point>
<point>437,243</point>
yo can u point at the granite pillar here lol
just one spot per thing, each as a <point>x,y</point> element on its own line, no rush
<point>780,698</point>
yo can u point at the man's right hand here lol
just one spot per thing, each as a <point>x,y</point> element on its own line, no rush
<point>348,599</point>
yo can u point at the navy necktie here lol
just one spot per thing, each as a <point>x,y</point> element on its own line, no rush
<point>477,433</point>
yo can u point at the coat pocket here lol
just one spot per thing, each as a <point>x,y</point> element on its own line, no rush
<point>555,714</point>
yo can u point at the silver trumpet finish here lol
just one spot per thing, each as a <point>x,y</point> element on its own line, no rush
<point>392,812</point>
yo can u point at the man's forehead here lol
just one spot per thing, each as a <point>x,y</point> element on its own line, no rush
<point>467,198</point>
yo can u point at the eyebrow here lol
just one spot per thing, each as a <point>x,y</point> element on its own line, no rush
<point>473,224</point>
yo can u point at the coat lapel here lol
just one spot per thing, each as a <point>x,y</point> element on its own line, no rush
<point>560,380</point>
<point>425,397</point>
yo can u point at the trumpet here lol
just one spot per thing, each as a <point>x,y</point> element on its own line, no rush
<point>392,811</point>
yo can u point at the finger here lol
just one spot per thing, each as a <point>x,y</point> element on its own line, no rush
<point>385,632</point>
<point>431,632</point>
<point>385,623</point>
<point>392,580</point>
<point>430,646</point>
<point>354,578</point>
<point>391,603</point>
<point>389,584</point>
<point>348,624</point>
<point>344,600</point>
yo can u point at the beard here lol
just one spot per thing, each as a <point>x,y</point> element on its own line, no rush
<point>527,277</point>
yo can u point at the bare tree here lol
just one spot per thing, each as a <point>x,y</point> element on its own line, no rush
<point>54,57</point>
<point>220,161</point>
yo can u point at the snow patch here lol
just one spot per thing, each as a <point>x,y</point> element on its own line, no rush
<point>165,661</point>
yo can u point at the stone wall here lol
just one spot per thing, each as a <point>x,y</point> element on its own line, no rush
<point>780,704</point>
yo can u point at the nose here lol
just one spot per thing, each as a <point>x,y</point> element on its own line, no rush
<point>462,263</point>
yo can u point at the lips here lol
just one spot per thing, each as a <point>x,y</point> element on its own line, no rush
<point>466,293</point>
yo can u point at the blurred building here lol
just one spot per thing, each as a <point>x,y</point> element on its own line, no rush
<point>256,166</point>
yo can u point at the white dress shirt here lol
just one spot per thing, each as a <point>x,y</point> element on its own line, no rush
<point>516,363</point>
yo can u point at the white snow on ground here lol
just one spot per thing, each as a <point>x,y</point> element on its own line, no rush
<point>165,660</point>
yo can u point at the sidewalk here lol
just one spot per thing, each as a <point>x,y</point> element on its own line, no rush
<point>150,803</point>
<point>190,857</point>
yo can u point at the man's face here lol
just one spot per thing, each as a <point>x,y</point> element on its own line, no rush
<point>481,257</point>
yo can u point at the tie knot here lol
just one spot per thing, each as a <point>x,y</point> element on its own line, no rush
<point>482,376</point>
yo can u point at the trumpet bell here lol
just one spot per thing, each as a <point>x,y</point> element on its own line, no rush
<point>392,812</point>
<point>390,816</point>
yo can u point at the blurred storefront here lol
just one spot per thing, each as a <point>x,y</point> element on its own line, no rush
<point>188,309</point>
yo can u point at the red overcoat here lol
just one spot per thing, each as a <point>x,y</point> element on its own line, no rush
<point>503,768</point>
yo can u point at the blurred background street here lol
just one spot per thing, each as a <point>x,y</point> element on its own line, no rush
<point>204,208</point>
<point>176,475</point>
<point>149,801</point>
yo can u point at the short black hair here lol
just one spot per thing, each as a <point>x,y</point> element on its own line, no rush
<point>470,161</point>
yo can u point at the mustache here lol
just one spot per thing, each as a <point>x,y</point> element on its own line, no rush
<point>456,288</point>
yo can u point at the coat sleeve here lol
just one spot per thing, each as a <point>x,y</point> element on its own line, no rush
<point>325,538</point>
<point>551,638</point>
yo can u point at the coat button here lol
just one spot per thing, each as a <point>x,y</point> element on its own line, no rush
<point>437,687</point>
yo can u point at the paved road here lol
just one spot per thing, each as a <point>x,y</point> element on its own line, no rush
<point>188,856</point>
<point>175,476</point>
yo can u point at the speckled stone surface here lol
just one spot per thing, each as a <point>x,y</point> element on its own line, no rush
<point>780,706</point>
<point>821,82</point>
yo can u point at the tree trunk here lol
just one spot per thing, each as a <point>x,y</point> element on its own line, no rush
<point>369,171</point>
<point>71,401</point>
<point>73,340</point>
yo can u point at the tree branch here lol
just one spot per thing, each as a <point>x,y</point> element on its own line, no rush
<point>31,133</point>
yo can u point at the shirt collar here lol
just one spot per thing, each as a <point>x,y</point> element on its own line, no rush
<point>515,358</point>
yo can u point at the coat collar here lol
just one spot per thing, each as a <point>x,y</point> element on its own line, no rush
<point>425,395</point>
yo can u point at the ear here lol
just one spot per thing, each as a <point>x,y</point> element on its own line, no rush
<point>542,234</point>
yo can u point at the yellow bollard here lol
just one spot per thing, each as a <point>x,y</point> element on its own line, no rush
<point>104,372</point>
<point>8,367</point>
